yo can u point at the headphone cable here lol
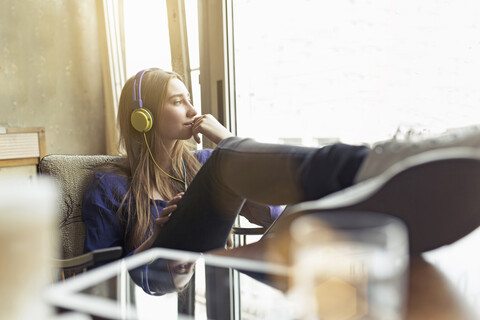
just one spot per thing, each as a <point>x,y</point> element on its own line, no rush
<point>151,156</point>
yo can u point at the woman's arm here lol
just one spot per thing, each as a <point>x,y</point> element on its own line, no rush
<point>99,206</point>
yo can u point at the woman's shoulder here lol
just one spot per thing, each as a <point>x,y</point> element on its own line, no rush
<point>109,177</point>
<point>104,183</point>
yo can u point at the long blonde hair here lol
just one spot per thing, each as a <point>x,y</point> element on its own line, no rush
<point>143,174</point>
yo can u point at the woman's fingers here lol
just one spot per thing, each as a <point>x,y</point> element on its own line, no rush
<point>196,136</point>
<point>175,199</point>
<point>209,126</point>
<point>168,210</point>
<point>197,128</point>
<point>160,221</point>
<point>164,216</point>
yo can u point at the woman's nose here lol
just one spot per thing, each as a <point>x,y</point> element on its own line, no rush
<point>190,267</point>
<point>191,112</point>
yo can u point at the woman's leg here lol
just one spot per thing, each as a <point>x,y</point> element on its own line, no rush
<point>240,169</point>
<point>282,174</point>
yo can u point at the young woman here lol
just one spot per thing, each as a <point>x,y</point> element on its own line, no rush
<point>163,194</point>
<point>141,200</point>
<point>129,201</point>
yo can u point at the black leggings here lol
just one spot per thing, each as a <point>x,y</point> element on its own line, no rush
<point>241,169</point>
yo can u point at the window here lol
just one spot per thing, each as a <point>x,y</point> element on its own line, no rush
<point>314,72</point>
<point>146,36</point>
<point>147,39</point>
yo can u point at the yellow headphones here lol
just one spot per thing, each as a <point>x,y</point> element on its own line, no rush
<point>141,118</point>
<point>142,121</point>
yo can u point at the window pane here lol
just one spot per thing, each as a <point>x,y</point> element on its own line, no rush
<point>315,72</point>
<point>147,41</point>
<point>191,17</point>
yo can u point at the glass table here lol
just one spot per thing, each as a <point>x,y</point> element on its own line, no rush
<point>443,284</point>
<point>170,284</point>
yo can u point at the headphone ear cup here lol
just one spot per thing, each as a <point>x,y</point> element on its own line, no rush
<point>141,119</point>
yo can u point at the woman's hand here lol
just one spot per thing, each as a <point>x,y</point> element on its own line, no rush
<point>164,216</point>
<point>207,125</point>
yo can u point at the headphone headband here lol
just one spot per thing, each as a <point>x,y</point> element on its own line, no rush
<point>137,88</point>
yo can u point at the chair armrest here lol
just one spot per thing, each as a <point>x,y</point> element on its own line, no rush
<point>90,259</point>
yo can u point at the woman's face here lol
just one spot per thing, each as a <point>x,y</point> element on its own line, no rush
<point>181,272</point>
<point>178,113</point>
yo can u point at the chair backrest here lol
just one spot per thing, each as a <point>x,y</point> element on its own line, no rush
<point>73,173</point>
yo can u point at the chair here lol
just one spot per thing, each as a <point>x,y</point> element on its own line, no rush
<point>73,173</point>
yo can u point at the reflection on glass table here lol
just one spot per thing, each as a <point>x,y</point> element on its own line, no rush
<point>443,284</point>
<point>170,284</point>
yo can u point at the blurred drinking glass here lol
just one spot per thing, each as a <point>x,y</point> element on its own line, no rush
<point>350,265</point>
<point>28,243</point>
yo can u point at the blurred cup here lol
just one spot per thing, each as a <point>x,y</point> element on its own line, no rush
<point>349,265</point>
<point>28,240</point>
